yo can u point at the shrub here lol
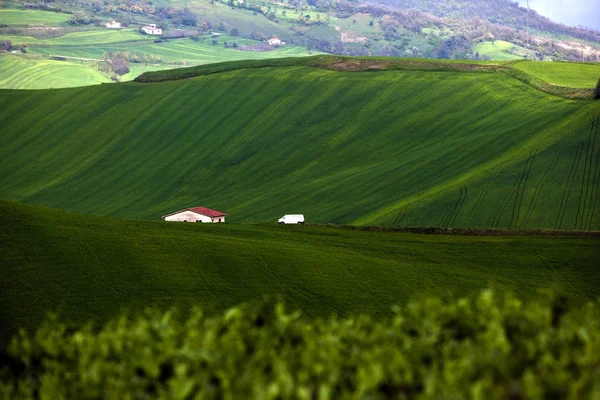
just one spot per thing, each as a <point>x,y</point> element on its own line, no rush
<point>490,346</point>
<point>597,93</point>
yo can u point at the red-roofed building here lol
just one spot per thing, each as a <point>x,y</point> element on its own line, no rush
<point>196,214</point>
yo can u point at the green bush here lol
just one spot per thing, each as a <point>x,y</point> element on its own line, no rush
<point>490,346</point>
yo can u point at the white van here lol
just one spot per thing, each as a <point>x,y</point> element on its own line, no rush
<point>291,219</point>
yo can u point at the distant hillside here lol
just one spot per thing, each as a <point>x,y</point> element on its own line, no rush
<point>458,145</point>
<point>86,267</point>
<point>203,31</point>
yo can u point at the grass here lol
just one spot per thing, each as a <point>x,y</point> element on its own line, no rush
<point>399,148</point>
<point>19,73</point>
<point>497,50</point>
<point>32,17</point>
<point>577,75</point>
<point>86,267</point>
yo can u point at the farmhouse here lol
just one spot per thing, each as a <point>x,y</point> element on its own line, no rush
<point>113,25</point>
<point>152,30</point>
<point>196,214</point>
<point>274,42</point>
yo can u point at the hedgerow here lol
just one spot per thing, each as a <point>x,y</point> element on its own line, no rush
<point>489,346</point>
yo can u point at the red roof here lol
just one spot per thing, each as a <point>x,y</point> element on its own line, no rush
<point>200,210</point>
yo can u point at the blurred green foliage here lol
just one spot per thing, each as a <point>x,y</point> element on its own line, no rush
<point>490,346</point>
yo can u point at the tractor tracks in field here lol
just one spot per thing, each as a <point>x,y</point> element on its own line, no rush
<point>451,213</point>
<point>562,209</point>
<point>518,190</point>
<point>538,189</point>
<point>516,211</point>
<point>400,217</point>
<point>587,188</point>
<point>595,174</point>
<point>481,199</point>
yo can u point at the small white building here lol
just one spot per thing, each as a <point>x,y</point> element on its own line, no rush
<point>196,214</point>
<point>274,42</point>
<point>113,25</point>
<point>152,29</point>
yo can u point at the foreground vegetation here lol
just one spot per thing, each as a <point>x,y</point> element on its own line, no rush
<point>86,267</point>
<point>491,346</point>
<point>369,141</point>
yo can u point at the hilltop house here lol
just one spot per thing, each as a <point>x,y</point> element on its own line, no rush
<point>152,29</point>
<point>274,42</point>
<point>113,25</point>
<point>196,214</point>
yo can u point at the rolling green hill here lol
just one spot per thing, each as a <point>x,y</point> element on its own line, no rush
<point>463,148</point>
<point>87,267</point>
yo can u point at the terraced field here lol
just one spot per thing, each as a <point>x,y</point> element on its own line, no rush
<point>402,148</point>
<point>20,73</point>
<point>87,267</point>
<point>178,50</point>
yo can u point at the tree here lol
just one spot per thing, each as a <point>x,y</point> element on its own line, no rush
<point>234,32</point>
<point>597,96</point>
<point>6,45</point>
<point>188,18</point>
<point>256,35</point>
<point>119,63</point>
<point>79,18</point>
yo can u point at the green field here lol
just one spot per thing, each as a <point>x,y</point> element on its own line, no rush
<point>91,267</point>
<point>177,50</point>
<point>401,148</point>
<point>30,74</point>
<point>32,17</point>
<point>20,73</point>
<point>95,37</point>
<point>497,50</point>
<point>578,75</point>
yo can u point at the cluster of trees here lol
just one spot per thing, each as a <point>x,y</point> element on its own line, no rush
<point>7,45</point>
<point>81,18</point>
<point>491,346</point>
<point>115,63</point>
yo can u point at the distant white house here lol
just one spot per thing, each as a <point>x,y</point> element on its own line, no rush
<point>152,29</point>
<point>274,42</point>
<point>113,25</point>
<point>196,214</point>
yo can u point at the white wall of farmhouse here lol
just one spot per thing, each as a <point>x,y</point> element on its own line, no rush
<point>189,216</point>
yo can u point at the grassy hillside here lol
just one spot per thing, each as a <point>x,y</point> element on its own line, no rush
<point>91,267</point>
<point>402,148</point>
<point>577,75</point>
<point>499,50</point>
<point>20,73</point>
<point>32,17</point>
